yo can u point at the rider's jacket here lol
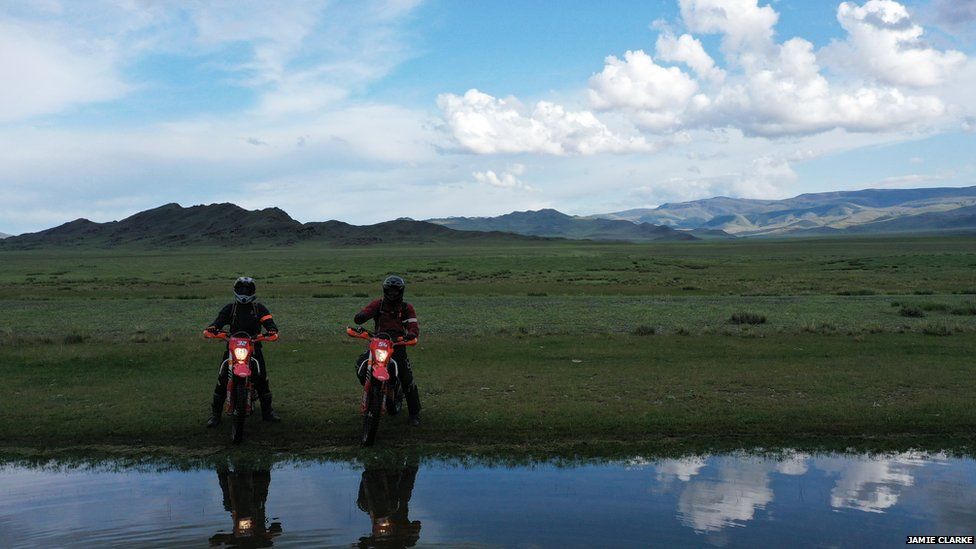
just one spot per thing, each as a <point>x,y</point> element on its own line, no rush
<point>244,317</point>
<point>395,319</point>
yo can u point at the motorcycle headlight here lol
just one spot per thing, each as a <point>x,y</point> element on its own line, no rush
<point>380,355</point>
<point>240,354</point>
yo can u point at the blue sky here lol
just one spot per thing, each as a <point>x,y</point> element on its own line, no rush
<point>366,111</point>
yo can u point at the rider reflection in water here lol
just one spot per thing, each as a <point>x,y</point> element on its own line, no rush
<point>385,495</point>
<point>245,492</point>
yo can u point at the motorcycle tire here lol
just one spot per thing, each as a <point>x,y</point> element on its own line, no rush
<point>394,404</point>
<point>371,419</point>
<point>240,411</point>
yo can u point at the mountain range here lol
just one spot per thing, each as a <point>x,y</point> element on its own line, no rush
<point>870,211</point>
<point>4,235</point>
<point>552,223</point>
<point>228,225</point>
<point>865,211</point>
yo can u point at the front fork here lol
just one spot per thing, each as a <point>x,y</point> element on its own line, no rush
<point>229,404</point>
<point>386,390</point>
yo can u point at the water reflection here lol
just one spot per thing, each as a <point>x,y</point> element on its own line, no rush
<point>245,492</point>
<point>384,494</point>
<point>728,491</point>
<point>786,499</point>
<point>728,496</point>
<point>874,485</point>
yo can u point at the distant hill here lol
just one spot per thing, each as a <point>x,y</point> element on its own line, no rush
<point>840,211</point>
<point>552,223</point>
<point>956,220</point>
<point>228,225</point>
<point>4,235</point>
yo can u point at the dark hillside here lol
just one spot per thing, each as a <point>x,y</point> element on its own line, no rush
<point>228,225</point>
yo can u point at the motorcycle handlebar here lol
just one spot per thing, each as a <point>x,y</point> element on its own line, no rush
<point>363,333</point>
<point>273,336</point>
<point>360,332</point>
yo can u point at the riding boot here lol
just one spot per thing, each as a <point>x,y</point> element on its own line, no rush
<point>215,410</point>
<point>413,404</point>
<point>267,412</point>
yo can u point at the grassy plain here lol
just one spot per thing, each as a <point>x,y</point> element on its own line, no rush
<point>539,346</point>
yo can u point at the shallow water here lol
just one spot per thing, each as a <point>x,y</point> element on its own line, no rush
<point>723,500</point>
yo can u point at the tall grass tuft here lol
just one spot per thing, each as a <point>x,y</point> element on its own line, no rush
<point>911,312</point>
<point>644,330</point>
<point>747,318</point>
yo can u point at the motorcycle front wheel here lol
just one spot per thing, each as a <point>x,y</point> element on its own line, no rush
<point>240,411</point>
<point>371,419</point>
<point>395,403</point>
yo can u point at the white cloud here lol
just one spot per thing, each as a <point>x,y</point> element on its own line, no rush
<point>743,24</point>
<point>43,74</point>
<point>785,94</point>
<point>485,124</point>
<point>658,94</point>
<point>688,50</point>
<point>883,41</point>
<point>781,90</point>
<point>771,90</point>
<point>507,179</point>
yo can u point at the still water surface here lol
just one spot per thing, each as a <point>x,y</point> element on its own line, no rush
<point>723,500</point>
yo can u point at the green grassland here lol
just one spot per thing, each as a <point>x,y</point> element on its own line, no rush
<point>838,266</point>
<point>543,345</point>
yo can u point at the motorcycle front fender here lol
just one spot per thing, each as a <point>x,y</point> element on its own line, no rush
<point>241,369</point>
<point>380,372</point>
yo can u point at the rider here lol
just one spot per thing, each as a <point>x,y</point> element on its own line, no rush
<point>244,315</point>
<point>395,317</point>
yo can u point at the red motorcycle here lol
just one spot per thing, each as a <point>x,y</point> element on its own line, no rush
<point>241,363</point>
<point>381,392</point>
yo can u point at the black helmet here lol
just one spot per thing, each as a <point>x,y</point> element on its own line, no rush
<point>244,289</point>
<point>393,288</point>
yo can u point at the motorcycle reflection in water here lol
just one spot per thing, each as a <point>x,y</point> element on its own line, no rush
<point>245,492</point>
<point>385,494</point>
